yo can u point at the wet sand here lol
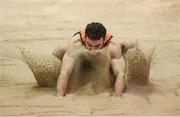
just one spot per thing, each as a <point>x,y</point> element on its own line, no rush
<point>41,25</point>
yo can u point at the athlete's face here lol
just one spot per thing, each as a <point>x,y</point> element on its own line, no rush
<point>94,44</point>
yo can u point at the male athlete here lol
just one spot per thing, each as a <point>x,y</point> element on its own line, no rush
<point>93,38</point>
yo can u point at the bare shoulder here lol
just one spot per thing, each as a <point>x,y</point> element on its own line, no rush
<point>74,44</point>
<point>115,48</point>
<point>114,41</point>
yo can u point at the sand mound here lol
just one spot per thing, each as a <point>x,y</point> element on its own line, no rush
<point>92,73</point>
<point>138,66</point>
<point>45,68</point>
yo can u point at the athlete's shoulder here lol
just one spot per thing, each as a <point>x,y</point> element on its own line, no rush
<point>115,48</point>
<point>75,41</point>
<point>115,41</point>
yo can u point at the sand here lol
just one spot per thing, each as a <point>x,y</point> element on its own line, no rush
<point>45,68</point>
<point>41,25</point>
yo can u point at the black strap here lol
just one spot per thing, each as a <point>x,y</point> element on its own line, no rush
<point>80,36</point>
<point>77,33</point>
<point>108,40</point>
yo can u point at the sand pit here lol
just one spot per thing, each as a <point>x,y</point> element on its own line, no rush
<point>42,25</point>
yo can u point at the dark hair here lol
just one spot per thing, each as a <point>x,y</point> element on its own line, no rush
<point>95,31</point>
